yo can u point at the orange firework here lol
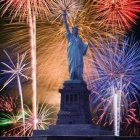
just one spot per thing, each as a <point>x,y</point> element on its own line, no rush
<point>25,8</point>
<point>51,44</point>
<point>117,13</point>
<point>58,6</point>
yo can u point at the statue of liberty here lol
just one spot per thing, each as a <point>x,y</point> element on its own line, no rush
<point>75,51</point>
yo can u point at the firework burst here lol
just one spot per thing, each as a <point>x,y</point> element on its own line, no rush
<point>43,120</point>
<point>58,6</point>
<point>130,124</point>
<point>14,123</point>
<point>8,103</point>
<point>16,71</point>
<point>10,118</point>
<point>117,13</point>
<point>45,117</point>
<point>114,78</point>
<point>22,9</point>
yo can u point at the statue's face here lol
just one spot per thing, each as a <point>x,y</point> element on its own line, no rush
<point>75,31</point>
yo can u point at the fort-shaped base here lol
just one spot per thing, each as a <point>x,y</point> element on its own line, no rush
<point>72,130</point>
<point>74,118</point>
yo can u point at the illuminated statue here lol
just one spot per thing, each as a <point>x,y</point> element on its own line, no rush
<point>75,51</point>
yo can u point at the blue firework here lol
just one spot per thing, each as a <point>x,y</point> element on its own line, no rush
<point>114,68</point>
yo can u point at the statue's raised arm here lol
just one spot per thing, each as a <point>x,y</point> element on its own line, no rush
<point>65,22</point>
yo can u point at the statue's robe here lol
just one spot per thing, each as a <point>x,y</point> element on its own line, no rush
<point>76,50</point>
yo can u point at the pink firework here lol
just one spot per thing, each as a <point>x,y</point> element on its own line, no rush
<point>117,13</point>
<point>129,119</point>
<point>8,103</point>
<point>131,123</point>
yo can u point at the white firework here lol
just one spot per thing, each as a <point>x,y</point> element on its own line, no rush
<point>16,71</point>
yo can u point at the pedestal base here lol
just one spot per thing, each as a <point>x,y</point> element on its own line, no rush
<point>74,118</point>
<point>72,130</point>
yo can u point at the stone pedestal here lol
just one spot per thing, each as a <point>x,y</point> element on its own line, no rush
<point>74,107</point>
<point>74,118</point>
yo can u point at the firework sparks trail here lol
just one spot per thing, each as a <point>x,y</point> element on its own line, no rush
<point>44,119</point>
<point>116,108</point>
<point>115,111</point>
<point>117,65</point>
<point>16,71</point>
<point>117,13</point>
<point>33,9</point>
